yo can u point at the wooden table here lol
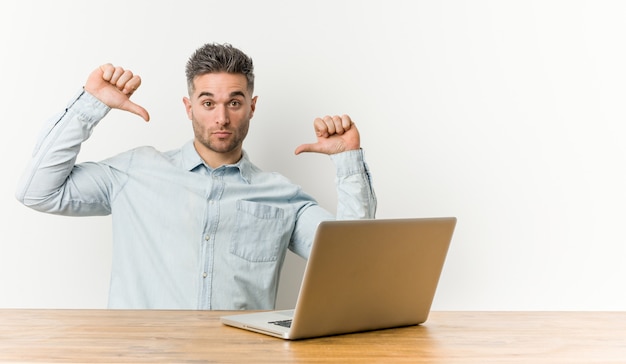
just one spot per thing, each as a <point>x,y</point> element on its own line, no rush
<point>96,336</point>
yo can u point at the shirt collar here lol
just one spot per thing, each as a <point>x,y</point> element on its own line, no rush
<point>191,160</point>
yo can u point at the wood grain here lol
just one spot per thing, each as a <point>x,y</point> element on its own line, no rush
<point>126,336</point>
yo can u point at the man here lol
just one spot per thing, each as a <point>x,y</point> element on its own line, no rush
<point>199,227</point>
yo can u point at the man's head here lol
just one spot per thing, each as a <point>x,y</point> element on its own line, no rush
<point>216,58</point>
<point>220,103</point>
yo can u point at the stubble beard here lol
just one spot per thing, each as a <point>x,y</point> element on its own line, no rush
<point>221,146</point>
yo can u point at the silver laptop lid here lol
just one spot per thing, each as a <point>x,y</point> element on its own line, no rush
<point>371,274</point>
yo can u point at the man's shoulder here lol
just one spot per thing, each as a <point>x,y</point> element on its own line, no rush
<point>145,150</point>
<point>145,154</point>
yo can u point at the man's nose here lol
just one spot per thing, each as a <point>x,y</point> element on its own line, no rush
<point>221,115</point>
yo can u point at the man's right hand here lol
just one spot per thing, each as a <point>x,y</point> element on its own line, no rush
<point>114,86</point>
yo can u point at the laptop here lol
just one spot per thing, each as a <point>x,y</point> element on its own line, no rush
<point>361,275</point>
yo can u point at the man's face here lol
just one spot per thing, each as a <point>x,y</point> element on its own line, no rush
<point>220,110</point>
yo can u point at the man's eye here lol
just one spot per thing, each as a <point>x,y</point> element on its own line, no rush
<point>235,103</point>
<point>207,104</point>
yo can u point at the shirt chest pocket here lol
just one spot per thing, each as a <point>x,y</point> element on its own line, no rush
<point>260,232</point>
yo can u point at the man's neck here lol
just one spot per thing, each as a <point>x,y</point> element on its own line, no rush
<point>214,159</point>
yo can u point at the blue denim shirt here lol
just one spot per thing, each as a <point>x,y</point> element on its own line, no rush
<point>185,236</point>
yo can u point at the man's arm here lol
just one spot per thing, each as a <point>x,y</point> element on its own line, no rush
<point>52,183</point>
<point>355,192</point>
<point>338,137</point>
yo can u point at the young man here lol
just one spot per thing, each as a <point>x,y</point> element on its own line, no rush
<point>199,227</point>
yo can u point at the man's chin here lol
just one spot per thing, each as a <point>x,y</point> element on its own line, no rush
<point>223,148</point>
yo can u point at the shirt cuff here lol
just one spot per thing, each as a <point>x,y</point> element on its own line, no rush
<point>88,107</point>
<point>349,163</point>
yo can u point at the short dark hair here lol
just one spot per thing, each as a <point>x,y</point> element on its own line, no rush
<point>213,58</point>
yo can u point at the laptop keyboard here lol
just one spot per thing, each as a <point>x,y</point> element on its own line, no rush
<point>284,323</point>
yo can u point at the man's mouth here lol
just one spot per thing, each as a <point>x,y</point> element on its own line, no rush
<point>221,134</point>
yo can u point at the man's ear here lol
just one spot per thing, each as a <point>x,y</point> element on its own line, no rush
<point>253,106</point>
<point>187,103</point>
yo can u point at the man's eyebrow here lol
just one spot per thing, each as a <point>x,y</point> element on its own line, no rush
<point>232,94</point>
<point>237,93</point>
<point>204,93</point>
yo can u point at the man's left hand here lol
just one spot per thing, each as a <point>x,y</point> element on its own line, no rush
<point>335,134</point>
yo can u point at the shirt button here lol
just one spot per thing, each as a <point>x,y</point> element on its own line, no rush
<point>204,275</point>
<point>207,237</point>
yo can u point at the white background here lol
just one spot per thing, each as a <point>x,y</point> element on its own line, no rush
<point>508,115</point>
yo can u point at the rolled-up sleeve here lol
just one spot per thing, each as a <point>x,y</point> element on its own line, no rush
<point>52,182</point>
<point>355,192</point>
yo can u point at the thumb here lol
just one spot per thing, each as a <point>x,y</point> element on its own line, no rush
<point>136,109</point>
<point>303,148</point>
